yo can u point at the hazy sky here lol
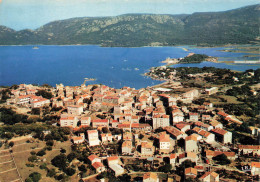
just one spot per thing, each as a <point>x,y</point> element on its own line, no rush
<point>21,14</point>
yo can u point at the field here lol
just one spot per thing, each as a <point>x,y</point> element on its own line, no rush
<point>20,152</point>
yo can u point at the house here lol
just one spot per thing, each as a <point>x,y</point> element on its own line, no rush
<point>141,126</point>
<point>99,167</point>
<point>100,123</point>
<point>127,136</point>
<point>248,149</point>
<point>117,169</point>
<point>93,137</point>
<point>210,91</point>
<point>127,147</point>
<point>173,158</point>
<point>222,135</point>
<point>150,177</point>
<point>216,124</point>
<point>188,156</point>
<point>190,172</point>
<point>230,155</point>
<point>207,136</point>
<point>78,139</point>
<point>147,148</point>
<point>194,116</point>
<point>23,99</point>
<point>106,137</point>
<point>255,168</point>
<point>164,140</point>
<point>177,116</point>
<point>190,95</point>
<point>40,103</point>
<point>209,177</point>
<point>183,126</point>
<point>254,130</point>
<point>160,121</point>
<point>203,126</point>
<point>191,144</point>
<point>175,133</point>
<point>115,123</point>
<point>85,121</point>
<point>112,160</point>
<point>208,105</point>
<point>68,121</point>
<point>205,117</point>
<point>75,109</point>
<point>94,158</point>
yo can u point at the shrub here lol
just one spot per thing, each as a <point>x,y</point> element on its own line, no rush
<point>11,144</point>
<point>32,158</point>
<point>41,152</point>
<point>35,176</point>
<point>70,171</point>
<point>50,143</point>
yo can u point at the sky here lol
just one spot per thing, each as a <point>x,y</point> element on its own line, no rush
<point>31,14</point>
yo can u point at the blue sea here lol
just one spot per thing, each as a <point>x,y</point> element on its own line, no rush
<point>115,67</point>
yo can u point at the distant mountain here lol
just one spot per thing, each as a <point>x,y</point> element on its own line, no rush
<point>237,26</point>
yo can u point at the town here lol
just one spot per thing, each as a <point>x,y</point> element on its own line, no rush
<point>168,132</point>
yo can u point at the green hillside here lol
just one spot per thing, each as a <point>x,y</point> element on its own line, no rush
<point>237,26</point>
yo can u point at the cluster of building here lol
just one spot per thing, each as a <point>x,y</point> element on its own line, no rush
<point>25,95</point>
<point>145,112</point>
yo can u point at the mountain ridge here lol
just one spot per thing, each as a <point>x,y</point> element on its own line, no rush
<point>133,30</point>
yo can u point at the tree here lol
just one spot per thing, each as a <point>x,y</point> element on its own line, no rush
<point>82,168</point>
<point>105,130</point>
<point>44,94</point>
<point>141,136</point>
<point>51,172</point>
<point>41,152</point>
<point>70,171</point>
<point>60,161</point>
<point>36,111</point>
<point>62,150</point>
<point>221,159</point>
<point>32,158</point>
<point>166,168</point>
<point>71,156</point>
<point>11,144</point>
<point>125,177</point>
<point>35,176</point>
<point>29,179</point>
<point>50,143</point>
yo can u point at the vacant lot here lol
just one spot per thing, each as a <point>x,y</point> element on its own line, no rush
<point>9,176</point>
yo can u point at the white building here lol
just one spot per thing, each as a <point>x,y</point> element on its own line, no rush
<point>68,121</point>
<point>160,121</point>
<point>164,140</point>
<point>93,137</point>
<point>117,169</point>
<point>75,109</point>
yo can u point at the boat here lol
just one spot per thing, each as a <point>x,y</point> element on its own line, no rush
<point>90,79</point>
<point>35,47</point>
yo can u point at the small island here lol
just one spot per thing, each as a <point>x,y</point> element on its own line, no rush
<point>191,58</point>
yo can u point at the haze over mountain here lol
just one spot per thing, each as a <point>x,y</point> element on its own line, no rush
<point>238,26</point>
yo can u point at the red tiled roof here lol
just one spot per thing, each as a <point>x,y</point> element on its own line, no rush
<point>253,147</point>
<point>150,175</point>
<point>97,165</point>
<point>173,156</point>
<point>112,158</point>
<point>219,131</point>
<point>92,157</point>
<point>255,164</point>
<point>191,170</point>
<point>100,121</point>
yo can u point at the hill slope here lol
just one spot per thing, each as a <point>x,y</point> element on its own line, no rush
<point>234,26</point>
